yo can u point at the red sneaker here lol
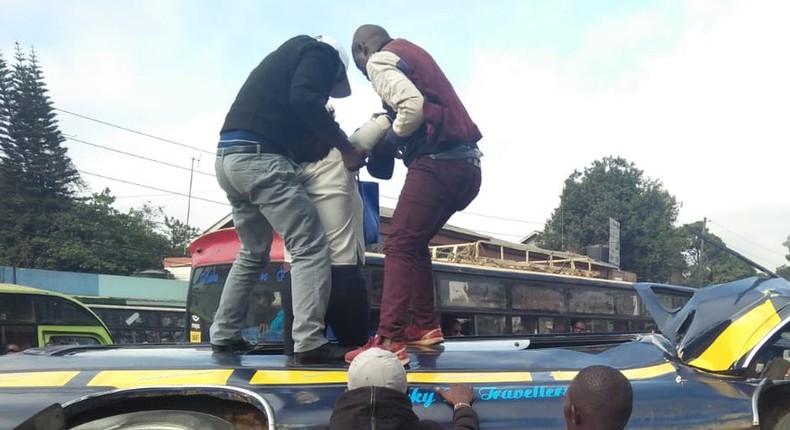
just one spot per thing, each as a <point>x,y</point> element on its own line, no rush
<point>397,348</point>
<point>423,336</point>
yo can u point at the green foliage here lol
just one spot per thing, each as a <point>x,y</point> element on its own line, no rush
<point>95,237</point>
<point>613,187</point>
<point>706,263</point>
<point>179,236</point>
<point>43,223</point>
<point>784,270</point>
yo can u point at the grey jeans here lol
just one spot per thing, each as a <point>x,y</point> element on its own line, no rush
<point>266,195</point>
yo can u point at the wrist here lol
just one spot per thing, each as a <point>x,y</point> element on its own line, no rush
<point>344,146</point>
<point>460,405</point>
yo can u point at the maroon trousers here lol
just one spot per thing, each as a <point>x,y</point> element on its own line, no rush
<point>434,190</point>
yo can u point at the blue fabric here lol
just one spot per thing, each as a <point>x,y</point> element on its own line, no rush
<point>370,216</point>
<point>238,137</point>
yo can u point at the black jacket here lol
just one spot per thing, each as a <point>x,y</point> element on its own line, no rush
<point>377,408</point>
<point>283,100</point>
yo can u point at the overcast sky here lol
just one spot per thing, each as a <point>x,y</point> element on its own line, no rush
<point>695,93</point>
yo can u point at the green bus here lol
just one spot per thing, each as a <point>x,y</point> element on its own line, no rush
<point>30,317</point>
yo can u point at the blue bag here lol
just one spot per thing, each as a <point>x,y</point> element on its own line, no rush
<point>370,215</point>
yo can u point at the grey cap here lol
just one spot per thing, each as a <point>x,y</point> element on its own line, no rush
<point>377,368</point>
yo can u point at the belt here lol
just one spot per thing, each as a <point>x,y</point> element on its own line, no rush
<point>249,149</point>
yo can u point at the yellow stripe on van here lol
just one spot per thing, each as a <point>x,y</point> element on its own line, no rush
<point>467,378</point>
<point>36,379</point>
<point>306,377</point>
<point>738,338</point>
<point>149,378</point>
<point>298,377</point>
<point>632,374</point>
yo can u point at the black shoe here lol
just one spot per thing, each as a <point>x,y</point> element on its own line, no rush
<point>324,354</point>
<point>238,347</point>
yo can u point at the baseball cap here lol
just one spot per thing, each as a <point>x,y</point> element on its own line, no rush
<point>342,87</point>
<point>377,367</point>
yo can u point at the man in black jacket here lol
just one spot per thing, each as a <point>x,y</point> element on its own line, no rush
<point>376,398</point>
<point>278,120</point>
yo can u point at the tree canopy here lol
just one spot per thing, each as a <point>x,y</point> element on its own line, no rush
<point>615,188</point>
<point>784,270</point>
<point>706,263</point>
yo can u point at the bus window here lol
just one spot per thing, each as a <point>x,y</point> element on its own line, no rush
<point>524,325</point>
<point>539,298</point>
<point>142,324</point>
<point>56,310</point>
<point>24,336</point>
<point>620,326</point>
<point>17,308</point>
<point>591,301</point>
<point>489,324</point>
<point>601,326</point>
<point>477,293</point>
<point>626,304</point>
<point>553,325</point>
<point>70,340</point>
<point>453,325</point>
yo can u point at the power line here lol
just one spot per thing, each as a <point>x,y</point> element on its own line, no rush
<point>152,188</point>
<point>173,142</point>
<point>138,156</point>
<point>143,196</point>
<point>772,251</point>
<point>212,153</point>
<point>481,215</point>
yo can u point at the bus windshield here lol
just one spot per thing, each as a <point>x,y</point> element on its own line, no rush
<point>264,316</point>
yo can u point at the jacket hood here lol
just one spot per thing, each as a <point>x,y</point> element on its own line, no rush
<point>720,325</point>
<point>373,408</point>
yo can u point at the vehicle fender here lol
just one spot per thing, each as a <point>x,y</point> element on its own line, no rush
<point>216,400</point>
<point>771,403</point>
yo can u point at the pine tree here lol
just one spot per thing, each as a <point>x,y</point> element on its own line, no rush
<point>37,179</point>
<point>6,240</point>
<point>40,161</point>
<point>5,88</point>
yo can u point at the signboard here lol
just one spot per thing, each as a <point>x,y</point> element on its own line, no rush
<point>614,242</point>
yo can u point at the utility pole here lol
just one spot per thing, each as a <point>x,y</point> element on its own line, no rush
<point>191,174</point>
<point>701,260</point>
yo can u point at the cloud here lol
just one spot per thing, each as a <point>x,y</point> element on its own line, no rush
<point>707,117</point>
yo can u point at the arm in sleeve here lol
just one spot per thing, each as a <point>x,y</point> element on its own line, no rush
<point>397,91</point>
<point>465,419</point>
<point>311,84</point>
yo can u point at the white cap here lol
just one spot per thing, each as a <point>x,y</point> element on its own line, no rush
<point>377,367</point>
<point>341,89</point>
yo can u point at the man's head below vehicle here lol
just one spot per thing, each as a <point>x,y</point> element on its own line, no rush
<point>600,398</point>
<point>377,368</point>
